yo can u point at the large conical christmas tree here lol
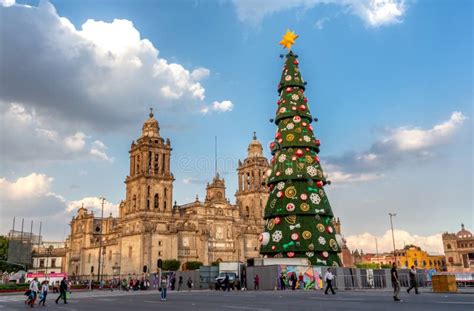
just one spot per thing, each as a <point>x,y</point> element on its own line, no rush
<point>298,217</point>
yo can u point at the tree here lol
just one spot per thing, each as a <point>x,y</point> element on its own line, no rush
<point>3,248</point>
<point>298,216</point>
<point>171,265</point>
<point>193,265</point>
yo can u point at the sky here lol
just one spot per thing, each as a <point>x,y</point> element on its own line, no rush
<point>391,82</point>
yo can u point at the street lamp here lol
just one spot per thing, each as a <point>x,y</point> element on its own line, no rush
<point>393,235</point>
<point>100,239</point>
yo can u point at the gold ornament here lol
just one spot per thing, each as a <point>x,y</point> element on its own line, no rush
<point>311,247</point>
<point>271,224</point>
<point>306,235</point>
<point>304,207</point>
<point>320,227</point>
<point>290,192</point>
<point>308,159</point>
<point>291,219</point>
<point>333,244</point>
<point>290,137</point>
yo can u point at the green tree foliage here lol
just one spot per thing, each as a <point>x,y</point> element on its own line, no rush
<point>193,265</point>
<point>171,265</point>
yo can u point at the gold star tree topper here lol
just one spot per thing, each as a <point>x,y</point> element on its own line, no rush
<point>288,39</point>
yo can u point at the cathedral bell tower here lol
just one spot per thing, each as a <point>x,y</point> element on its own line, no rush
<point>252,194</point>
<point>150,183</point>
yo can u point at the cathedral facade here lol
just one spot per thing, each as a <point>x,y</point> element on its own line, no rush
<point>151,227</point>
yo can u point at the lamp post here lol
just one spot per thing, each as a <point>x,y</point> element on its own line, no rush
<point>100,239</point>
<point>393,235</point>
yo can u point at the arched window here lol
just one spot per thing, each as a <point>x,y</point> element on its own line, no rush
<point>247,211</point>
<point>156,203</point>
<point>448,246</point>
<point>134,202</point>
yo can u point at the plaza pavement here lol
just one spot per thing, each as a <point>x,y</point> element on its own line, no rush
<point>248,300</point>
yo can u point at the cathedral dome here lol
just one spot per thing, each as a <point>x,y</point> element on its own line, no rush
<point>150,127</point>
<point>464,233</point>
<point>255,148</point>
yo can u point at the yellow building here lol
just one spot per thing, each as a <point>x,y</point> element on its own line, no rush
<point>412,255</point>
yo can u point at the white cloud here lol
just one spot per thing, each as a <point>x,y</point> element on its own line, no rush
<point>320,23</point>
<point>75,142</point>
<point>30,138</point>
<point>223,106</point>
<point>433,244</point>
<point>374,13</point>
<point>397,146</point>
<point>413,139</point>
<point>7,3</point>
<point>98,150</point>
<point>31,186</point>
<point>93,204</point>
<point>102,75</point>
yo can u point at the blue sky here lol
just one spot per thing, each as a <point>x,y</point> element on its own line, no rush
<point>390,82</point>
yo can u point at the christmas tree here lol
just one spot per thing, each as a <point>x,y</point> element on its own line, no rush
<point>298,217</point>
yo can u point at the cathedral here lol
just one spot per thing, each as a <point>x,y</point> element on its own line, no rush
<point>151,227</point>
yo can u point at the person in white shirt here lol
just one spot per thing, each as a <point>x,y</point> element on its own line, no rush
<point>44,292</point>
<point>328,278</point>
<point>34,291</point>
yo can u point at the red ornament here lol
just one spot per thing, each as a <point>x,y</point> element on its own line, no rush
<point>277,220</point>
<point>310,127</point>
<point>289,89</point>
<point>319,184</point>
<point>280,140</point>
<point>293,108</point>
<point>273,247</point>
<point>296,62</point>
<point>290,254</point>
<point>318,142</point>
<point>307,149</point>
<point>271,187</point>
<point>299,152</point>
<point>279,194</point>
<point>329,229</point>
<point>278,102</point>
<point>325,254</point>
<point>316,158</point>
<point>305,100</point>
<point>302,107</point>
<point>272,145</point>
<point>277,135</point>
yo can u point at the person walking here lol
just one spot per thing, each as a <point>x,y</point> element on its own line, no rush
<point>163,287</point>
<point>34,292</point>
<point>226,283</point>
<point>256,282</point>
<point>328,278</point>
<point>180,282</point>
<point>282,281</point>
<point>293,281</point>
<point>301,281</point>
<point>172,282</point>
<point>190,283</point>
<point>395,282</point>
<point>413,284</point>
<point>62,291</point>
<point>44,292</point>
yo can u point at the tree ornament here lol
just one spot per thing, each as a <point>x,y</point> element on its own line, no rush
<point>264,238</point>
<point>299,153</point>
<point>277,220</point>
<point>319,184</point>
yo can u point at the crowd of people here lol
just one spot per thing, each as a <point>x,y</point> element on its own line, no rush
<point>39,291</point>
